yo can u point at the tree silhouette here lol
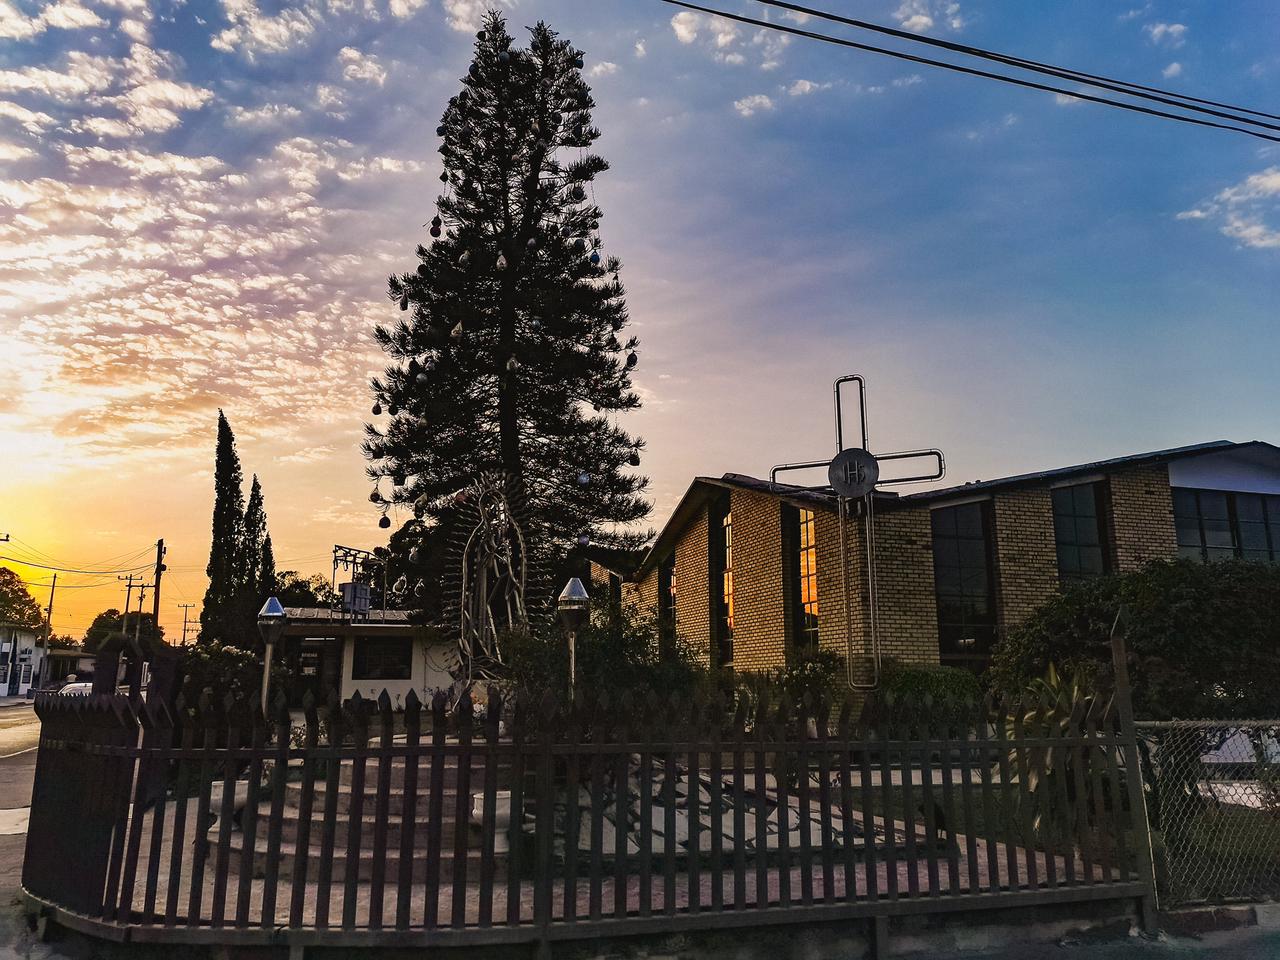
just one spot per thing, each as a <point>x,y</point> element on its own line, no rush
<point>510,354</point>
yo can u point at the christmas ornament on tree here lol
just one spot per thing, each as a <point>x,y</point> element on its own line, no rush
<point>384,522</point>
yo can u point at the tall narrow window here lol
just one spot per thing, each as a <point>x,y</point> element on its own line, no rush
<point>721,544</point>
<point>667,595</point>
<point>1214,525</point>
<point>1078,532</point>
<point>806,612</point>
<point>964,584</point>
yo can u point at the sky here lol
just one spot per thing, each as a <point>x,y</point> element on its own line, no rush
<point>200,201</point>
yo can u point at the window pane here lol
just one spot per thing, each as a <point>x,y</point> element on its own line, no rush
<point>1253,536</point>
<point>973,554</point>
<point>1091,560</point>
<point>944,522</point>
<point>1249,507</point>
<point>1184,503</point>
<point>1217,534</point>
<point>1085,502</point>
<point>1213,505</point>
<point>1188,532</point>
<point>1190,552</point>
<point>969,520</point>
<point>1087,531</point>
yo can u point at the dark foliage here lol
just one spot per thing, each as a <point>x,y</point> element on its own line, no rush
<point>511,354</point>
<point>1202,638</point>
<point>219,615</point>
<point>111,625</point>
<point>918,696</point>
<point>294,590</point>
<point>17,605</point>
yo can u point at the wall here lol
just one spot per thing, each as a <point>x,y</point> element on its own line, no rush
<point>760,626</point>
<point>1026,556</point>
<point>430,673</point>
<point>908,609</point>
<point>1142,516</point>
<point>693,598</point>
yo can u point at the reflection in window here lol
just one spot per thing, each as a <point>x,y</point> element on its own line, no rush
<point>382,658</point>
<point>1077,532</point>
<point>807,581</point>
<point>963,583</point>
<point>1215,525</point>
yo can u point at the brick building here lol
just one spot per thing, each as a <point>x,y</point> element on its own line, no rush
<point>750,572</point>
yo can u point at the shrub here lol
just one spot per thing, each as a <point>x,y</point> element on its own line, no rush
<point>922,696</point>
<point>222,668</point>
<point>812,679</point>
<point>1202,638</point>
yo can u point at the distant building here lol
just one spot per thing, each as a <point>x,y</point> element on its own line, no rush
<point>751,572</point>
<point>327,650</point>
<point>20,658</point>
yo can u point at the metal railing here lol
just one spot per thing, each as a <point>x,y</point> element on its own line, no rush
<point>539,822</point>
<point>1214,804</point>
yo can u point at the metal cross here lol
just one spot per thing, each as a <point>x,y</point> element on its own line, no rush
<point>854,474</point>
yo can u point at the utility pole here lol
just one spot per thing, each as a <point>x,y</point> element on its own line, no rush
<point>48,631</point>
<point>185,607</point>
<point>159,571</point>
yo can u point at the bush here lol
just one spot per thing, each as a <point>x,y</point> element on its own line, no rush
<point>812,679</point>
<point>211,664</point>
<point>1202,638</point>
<point>614,657</point>
<point>922,696</point>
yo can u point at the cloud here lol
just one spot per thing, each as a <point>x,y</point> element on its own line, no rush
<point>1171,71</point>
<point>685,24</point>
<point>804,87</point>
<point>269,114</point>
<point>641,52</point>
<point>756,103</point>
<point>603,69</point>
<point>1066,100</point>
<point>361,67</point>
<point>1166,34</point>
<point>307,455</point>
<point>14,151</point>
<point>1248,212</point>
<point>403,9</point>
<point>921,16</point>
<point>33,121</point>
<point>63,15</point>
<point>466,15</point>
<point>251,32</point>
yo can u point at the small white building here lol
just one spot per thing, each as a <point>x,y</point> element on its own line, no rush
<point>330,650</point>
<point>20,659</point>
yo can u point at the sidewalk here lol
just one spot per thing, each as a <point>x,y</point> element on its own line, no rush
<point>7,702</point>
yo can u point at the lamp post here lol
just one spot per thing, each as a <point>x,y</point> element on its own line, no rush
<point>573,608</point>
<point>271,624</point>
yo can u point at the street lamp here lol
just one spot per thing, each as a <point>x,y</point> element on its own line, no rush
<point>271,624</point>
<point>573,608</point>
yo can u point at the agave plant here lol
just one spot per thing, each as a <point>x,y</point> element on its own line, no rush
<point>1055,707</point>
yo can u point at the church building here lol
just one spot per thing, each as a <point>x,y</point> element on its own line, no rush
<point>752,572</point>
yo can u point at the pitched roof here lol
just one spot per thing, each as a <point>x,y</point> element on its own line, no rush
<point>703,488</point>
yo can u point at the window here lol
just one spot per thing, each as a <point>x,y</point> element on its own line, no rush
<point>1215,525</point>
<point>963,583</point>
<point>1078,532</point>
<point>721,545</point>
<point>667,594</point>
<point>800,557</point>
<point>382,658</point>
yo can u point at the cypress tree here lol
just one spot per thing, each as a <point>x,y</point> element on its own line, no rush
<point>267,571</point>
<point>249,563</point>
<point>510,353</point>
<point>219,616</point>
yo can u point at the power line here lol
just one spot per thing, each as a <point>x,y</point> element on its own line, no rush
<point>126,557</point>
<point>970,71</point>
<point>1125,87</point>
<point>87,573</point>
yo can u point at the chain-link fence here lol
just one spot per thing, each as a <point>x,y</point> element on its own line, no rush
<point>1213,799</point>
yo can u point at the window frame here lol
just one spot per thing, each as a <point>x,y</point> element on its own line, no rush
<point>950,651</point>
<point>720,581</point>
<point>1100,513</point>
<point>361,649</point>
<point>803,624</point>
<point>1202,551</point>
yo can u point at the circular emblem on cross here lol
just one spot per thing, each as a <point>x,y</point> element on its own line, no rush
<point>853,473</point>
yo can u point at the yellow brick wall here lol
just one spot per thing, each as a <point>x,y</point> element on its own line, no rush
<point>693,612</point>
<point>760,615</point>
<point>1026,557</point>
<point>1142,517</point>
<point>908,610</point>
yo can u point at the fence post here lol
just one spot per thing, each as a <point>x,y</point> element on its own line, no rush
<point>1133,775</point>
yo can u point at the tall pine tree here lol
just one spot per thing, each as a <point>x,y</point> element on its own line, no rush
<point>253,540</point>
<point>267,569</point>
<point>219,616</point>
<point>510,354</point>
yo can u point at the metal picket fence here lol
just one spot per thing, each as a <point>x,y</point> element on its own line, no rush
<point>1213,792</point>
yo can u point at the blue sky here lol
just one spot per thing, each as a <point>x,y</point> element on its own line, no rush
<point>201,202</point>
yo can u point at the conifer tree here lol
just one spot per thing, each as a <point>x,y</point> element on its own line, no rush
<point>249,563</point>
<point>219,616</point>
<point>267,570</point>
<point>510,354</point>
